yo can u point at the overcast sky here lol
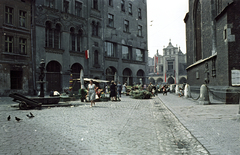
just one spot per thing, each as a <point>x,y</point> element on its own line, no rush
<point>167,17</point>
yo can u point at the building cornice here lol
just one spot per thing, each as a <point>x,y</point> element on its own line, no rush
<point>201,61</point>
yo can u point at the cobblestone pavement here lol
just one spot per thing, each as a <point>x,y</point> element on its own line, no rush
<point>127,127</point>
<point>216,126</point>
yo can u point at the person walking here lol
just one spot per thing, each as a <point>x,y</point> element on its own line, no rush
<point>113,91</point>
<point>119,89</point>
<point>124,88</point>
<point>91,92</point>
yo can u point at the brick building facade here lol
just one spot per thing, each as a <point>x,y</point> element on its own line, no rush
<point>114,32</point>
<point>16,73</point>
<point>213,47</point>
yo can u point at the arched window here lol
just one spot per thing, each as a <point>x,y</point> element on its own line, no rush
<point>57,36</point>
<point>96,57</point>
<point>79,40</point>
<point>48,35</point>
<point>95,27</point>
<point>198,29</point>
<point>72,33</point>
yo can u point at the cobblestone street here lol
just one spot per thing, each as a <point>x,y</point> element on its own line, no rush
<point>127,127</point>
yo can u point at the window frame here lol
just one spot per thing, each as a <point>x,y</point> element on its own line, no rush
<point>123,5</point>
<point>22,18</point>
<point>110,3</point>
<point>9,12</point>
<point>112,47</point>
<point>95,4</point>
<point>9,44</point>
<point>66,6</point>
<point>139,13</point>
<point>139,31</point>
<point>126,26</point>
<point>141,53</point>
<point>128,54</point>
<point>110,20</point>
<point>130,9</point>
<point>23,46</point>
<point>78,8</point>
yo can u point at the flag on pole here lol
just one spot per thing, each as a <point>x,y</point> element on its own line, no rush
<point>165,76</point>
<point>87,54</point>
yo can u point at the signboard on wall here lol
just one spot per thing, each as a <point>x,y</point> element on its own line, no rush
<point>235,77</point>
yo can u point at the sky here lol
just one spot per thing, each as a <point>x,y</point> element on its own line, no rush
<point>165,22</point>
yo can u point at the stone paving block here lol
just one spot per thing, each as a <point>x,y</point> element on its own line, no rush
<point>127,127</point>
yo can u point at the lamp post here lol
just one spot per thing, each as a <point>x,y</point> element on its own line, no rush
<point>41,77</point>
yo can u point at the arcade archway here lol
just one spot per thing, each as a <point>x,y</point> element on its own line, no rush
<point>53,76</point>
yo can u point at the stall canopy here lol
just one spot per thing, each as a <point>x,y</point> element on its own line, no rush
<point>94,80</point>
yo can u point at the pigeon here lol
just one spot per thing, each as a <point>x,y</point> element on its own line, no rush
<point>17,119</point>
<point>9,117</point>
<point>29,116</point>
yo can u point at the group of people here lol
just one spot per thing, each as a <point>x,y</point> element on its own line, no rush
<point>115,90</point>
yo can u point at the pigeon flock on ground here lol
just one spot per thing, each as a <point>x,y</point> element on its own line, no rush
<point>19,119</point>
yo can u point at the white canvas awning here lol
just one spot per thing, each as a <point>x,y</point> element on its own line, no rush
<point>94,80</point>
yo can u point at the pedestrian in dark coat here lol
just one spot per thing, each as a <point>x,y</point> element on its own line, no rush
<point>119,89</point>
<point>113,94</point>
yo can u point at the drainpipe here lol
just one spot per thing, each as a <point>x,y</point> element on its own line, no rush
<point>32,46</point>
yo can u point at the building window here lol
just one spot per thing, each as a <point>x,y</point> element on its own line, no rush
<point>95,4</point>
<point>50,3</point>
<point>9,15</point>
<point>72,33</point>
<point>170,65</point>
<point>110,49</point>
<point>22,45</point>
<point>96,57</point>
<point>16,79</point>
<point>57,38</point>
<point>22,18</point>
<point>139,30</point>
<point>110,20</point>
<point>95,26</point>
<point>79,40</point>
<point>48,35</point>
<point>123,5</point>
<point>130,9</point>
<point>198,29</point>
<point>9,44</point>
<point>126,26</point>
<point>219,6</point>
<point>110,2</point>
<point>139,13</point>
<point>139,55</point>
<point>78,9</point>
<point>66,6</point>
<point>126,52</point>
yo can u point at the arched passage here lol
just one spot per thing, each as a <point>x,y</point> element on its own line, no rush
<point>182,80</point>
<point>152,80</point>
<point>110,73</point>
<point>53,76</point>
<point>159,80</point>
<point>170,80</point>
<point>140,76</point>
<point>75,70</point>
<point>127,76</point>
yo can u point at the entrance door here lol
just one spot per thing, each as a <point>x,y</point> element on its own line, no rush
<point>53,76</point>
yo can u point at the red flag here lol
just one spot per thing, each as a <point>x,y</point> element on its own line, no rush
<point>87,54</point>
